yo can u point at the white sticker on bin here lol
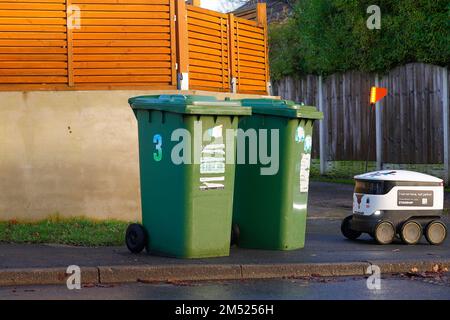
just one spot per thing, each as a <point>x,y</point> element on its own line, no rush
<point>304,172</point>
<point>212,179</point>
<point>212,161</point>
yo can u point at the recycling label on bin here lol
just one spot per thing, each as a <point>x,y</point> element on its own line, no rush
<point>212,161</point>
<point>305,164</point>
<point>414,198</point>
<point>300,135</point>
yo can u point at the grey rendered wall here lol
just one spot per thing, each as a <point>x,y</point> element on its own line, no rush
<point>74,153</point>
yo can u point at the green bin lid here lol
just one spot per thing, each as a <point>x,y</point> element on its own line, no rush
<point>282,108</point>
<point>190,104</point>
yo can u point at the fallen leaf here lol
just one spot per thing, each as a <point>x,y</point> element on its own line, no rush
<point>180,283</point>
<point>105,286</point>
<point>147,281</point>
<point>435,268</point>
<point>414,270</point>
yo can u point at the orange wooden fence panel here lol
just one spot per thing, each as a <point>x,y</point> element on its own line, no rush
<point>250,46</point>
<point>125,42</point>
<point>208,49</point>
<point>33,42</point>
<point>223,47</point>
<point>129,44</point>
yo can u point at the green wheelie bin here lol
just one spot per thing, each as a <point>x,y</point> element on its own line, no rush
<point>270,207</point>
<point>187,182</point>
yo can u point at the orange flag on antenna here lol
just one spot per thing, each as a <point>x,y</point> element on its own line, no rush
<point>376,94</point>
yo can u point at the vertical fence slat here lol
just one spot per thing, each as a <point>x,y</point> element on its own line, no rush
<point>69,33</point>
<point>232,53</point>
<point>183,46</point>
<point>222,49</point>
<point>379,129</point>
<point>445,123</point>
<point>173,41</point>
<point>261,9</point>
<point>238,58</point>
<point>322,129</point>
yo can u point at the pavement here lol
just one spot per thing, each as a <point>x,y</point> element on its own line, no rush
<point>326,254</point>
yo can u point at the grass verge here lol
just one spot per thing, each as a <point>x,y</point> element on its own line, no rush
<point>73,231</point>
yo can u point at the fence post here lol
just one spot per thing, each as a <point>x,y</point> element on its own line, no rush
<point>173,42</point>
<point>232,53</point>
<point>261,19</point>
<point>182,46</point>
<point>379,129</point>
<point>445,115</point>
<point>322,130</point>
<point>261,14</point>
<point>69,26</point>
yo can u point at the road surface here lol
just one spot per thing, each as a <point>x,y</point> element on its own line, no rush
<point>436,287</point>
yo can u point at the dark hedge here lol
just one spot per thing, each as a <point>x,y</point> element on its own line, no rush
<point>328,36</point>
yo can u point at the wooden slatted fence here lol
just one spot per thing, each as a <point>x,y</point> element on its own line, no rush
<point>208,49</point>
<point>122,42</point>
<point>411,114</point>
<point>129,44</point>
<point>33,42</point>
<point>250,58</point>
<point>221,45</point>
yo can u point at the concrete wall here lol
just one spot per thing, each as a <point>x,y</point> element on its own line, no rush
<point>70,152</point>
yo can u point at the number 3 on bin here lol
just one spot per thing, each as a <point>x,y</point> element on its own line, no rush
<point>157,140</point>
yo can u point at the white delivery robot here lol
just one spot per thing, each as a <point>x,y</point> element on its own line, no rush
<point>397,202</point>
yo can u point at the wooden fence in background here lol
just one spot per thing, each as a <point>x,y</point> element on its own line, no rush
<point>128,44</point>
<point>411,116</point>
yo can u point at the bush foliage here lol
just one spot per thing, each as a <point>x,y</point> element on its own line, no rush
<point>327,36</point>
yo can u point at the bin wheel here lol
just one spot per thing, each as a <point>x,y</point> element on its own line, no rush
<point>136,238</point>
<point>411,232</point>
<point>348,232</point>
<point>436,232</point>
<point>235,233</point>
<point>384,232</point>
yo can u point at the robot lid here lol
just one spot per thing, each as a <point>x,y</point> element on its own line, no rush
<point>397,175</point>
